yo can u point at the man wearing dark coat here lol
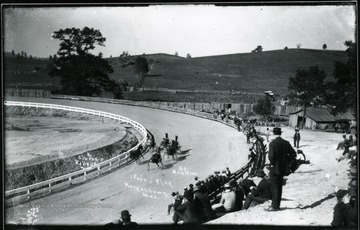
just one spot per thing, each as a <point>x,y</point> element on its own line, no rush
<point>190,212</point>
<point>205,203</point>
<point>262,193</point>
<point>280,153</point>
<point>296,137</point>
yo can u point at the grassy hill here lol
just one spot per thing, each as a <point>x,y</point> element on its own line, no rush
<point>248,72</point>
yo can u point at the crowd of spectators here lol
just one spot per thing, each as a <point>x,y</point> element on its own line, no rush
<point>217,195</point>
<point>345,211</point>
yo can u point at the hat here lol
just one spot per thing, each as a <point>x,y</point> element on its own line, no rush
<point>125,214</point>
<point>173,194</point>
<point>277,131</point>
<point>195,177</point>
<point>341,193</point>
<point>188,195</point>
<point>296,129</point>
<point>260,173</point>
<point>227,186</point>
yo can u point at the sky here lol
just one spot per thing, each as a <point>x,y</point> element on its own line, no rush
<point>200,30</point>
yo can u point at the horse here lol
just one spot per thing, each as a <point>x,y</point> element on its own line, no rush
<point>173,150</point>
<point>156,158</point>
<point>165,142</point>
<point>136,154</point>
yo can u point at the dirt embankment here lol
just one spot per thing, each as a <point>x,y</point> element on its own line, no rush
<point>64,159</point>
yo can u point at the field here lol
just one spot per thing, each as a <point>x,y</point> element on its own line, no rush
<point>250,73</point>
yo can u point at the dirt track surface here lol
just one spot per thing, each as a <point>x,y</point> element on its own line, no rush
<point>208,146</point>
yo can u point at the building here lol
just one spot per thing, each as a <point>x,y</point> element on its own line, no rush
<point>315,118</point>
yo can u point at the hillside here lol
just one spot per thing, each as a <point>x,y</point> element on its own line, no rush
<point>247,72</point>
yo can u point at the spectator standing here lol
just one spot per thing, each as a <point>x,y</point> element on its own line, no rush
<point>280,153</point>
<point>126,218</point>
<point>267,134</point>
<point>261,194</point>
<point>228,172</point>
<point>296,137</point>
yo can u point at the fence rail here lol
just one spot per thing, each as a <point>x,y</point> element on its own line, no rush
<point>25,193</point>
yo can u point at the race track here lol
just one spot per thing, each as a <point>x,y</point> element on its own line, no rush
<point>207,146</point>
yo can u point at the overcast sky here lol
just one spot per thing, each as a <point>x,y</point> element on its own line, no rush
<point>201,30</point>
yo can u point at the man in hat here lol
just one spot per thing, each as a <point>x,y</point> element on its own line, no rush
<point>190,212</point>
<point>341,210</point>
<point>261,193</point>
<point>126,218</point>
<point>201,194</point>
<point>280,154</point>
<point>296,137</point>
<point>227,201</point>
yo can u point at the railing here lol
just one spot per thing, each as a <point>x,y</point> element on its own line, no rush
<point>21,194</point>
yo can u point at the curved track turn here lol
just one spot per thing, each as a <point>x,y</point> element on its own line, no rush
<point>206,146</point>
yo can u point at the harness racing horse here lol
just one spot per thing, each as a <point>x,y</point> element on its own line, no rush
<point>174,149</point>
<point>136,154</point>
<point>156,158</point>
<point>165,143</point>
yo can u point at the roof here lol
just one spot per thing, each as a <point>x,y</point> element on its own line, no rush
<point>344,116</point>
<point>320,115</point>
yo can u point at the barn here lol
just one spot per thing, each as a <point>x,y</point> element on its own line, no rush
<point>315,118</point>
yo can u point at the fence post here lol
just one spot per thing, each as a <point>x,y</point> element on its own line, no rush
<point>85,175</point>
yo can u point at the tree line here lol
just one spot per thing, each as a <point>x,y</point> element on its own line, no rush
<point>309,88</point>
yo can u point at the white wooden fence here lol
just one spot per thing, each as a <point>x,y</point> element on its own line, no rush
<point>22,194</point>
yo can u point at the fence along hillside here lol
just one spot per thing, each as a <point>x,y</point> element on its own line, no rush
<point>237,108</point>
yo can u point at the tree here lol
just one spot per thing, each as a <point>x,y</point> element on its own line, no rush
<point>324,47</point>
<point>307,88</point>
<point>285,48</point>
<point>258,49</point>
<point>81,72</point>
<point>13,52</point>
<point>342,93</point>
<point>298,46</point>
<point>264,107</point>
<point>141,67</point>
<point>176,54</point>
<point>188,55</point>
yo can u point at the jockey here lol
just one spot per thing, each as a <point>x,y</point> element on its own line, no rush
<point>166,140</point>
